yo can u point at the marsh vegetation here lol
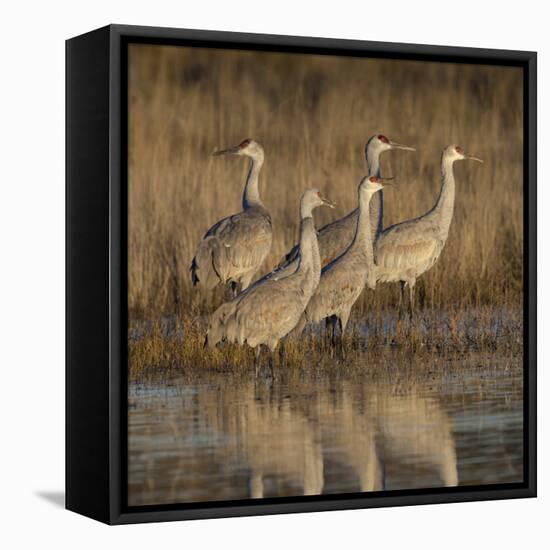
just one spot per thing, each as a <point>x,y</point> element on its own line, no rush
<point>173,345</point>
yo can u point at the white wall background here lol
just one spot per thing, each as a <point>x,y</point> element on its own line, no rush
<point>32,272</point>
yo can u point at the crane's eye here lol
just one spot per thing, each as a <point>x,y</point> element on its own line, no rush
<point>374,179</point>
<point>319,194</point>
<point>459,150</point>
<point>244,143</point>
<point>383,139</point>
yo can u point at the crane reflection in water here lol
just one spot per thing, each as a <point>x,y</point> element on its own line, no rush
<point>248,439</point>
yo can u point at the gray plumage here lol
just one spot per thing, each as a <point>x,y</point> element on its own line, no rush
<point>404,251</point>
<point>270,309</point>
<point>343,280</point>
<point>233,250</point>
<point>335,237</point>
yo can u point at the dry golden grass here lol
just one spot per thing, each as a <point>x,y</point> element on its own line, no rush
<point>313,116</point>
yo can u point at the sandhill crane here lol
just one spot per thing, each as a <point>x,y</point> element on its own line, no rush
<point>335,237</point>
<point>343,280</point>
<point>233,249</point>
<point>406,250</point>
<point>270,309</point>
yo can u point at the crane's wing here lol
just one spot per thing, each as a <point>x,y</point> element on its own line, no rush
<point>270,310</point>
<point>242,241</point>
<point>218,227</point>
<point>405,245</point>
<point>336,237</point>
<point>340,286</point>
<point>333,238</point>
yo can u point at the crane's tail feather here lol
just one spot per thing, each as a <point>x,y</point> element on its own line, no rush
<point>203,270</point>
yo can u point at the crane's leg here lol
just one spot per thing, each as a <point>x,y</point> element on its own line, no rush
<point>401,306</point>
<point>257,360</point>
<point>411,299</point>
<point>257,353</point>
<point>342,347</point>
<point>331,322</point>
<point>343,322</point>
<point>282,355</point>
<point>327,335</point>
<point>271,364</point>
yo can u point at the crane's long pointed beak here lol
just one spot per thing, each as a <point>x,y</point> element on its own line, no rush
<point>401,146</point>
<point>228,151</point>
<point>387,181</point>
<point>474,158</point>
<point>328,202</point>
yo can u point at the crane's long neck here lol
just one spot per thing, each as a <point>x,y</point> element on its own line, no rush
<point>444,207</point>
<point>377,202</point>
<point>251,194</point>
<point>373,161</point>
<point>310,260</point>
<point>362,241</point>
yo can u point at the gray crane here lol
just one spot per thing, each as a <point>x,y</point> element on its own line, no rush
<point>270,309</point>
<point>343,280</point>
<point>406,250</point>
<point>335,237</point>
<point>233,249</point>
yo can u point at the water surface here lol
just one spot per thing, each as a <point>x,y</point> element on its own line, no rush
<point>227,436</point>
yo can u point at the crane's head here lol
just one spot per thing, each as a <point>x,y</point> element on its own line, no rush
<point>312,198</point>
<point>372,184</point>
<point>455,152</point>
<point>379,143</point>
<point>247,147</point>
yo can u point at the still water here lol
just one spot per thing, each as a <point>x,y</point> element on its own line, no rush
<point>226,436</point>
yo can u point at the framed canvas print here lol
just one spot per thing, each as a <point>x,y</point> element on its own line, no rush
<point>300,274</point>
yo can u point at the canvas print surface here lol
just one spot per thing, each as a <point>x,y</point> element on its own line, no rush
<point>325,275</point>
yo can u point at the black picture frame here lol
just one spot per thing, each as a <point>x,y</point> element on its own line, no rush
<point>96,318</point>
